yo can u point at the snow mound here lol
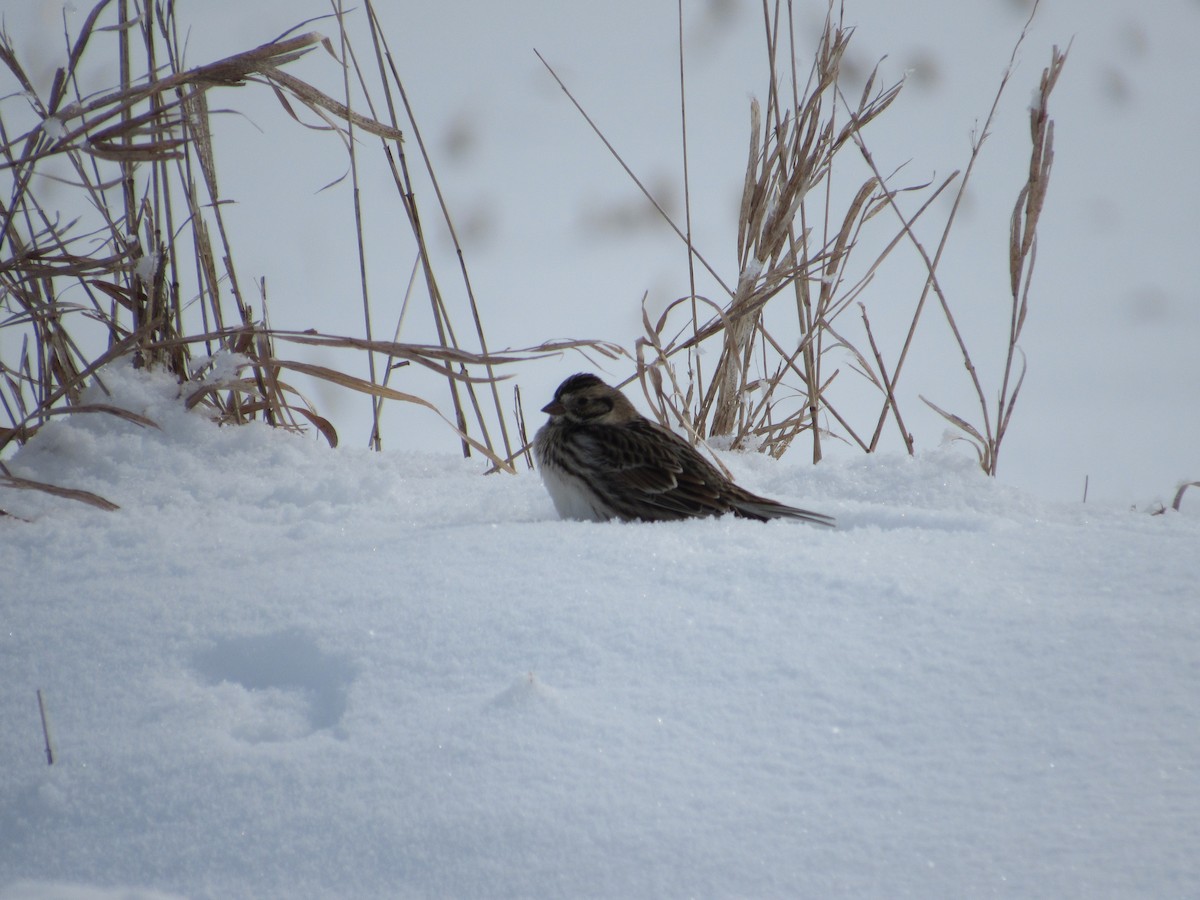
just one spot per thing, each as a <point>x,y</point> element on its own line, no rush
<point>280,670</point>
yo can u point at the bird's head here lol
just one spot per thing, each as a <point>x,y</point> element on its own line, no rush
<point>586,400</point>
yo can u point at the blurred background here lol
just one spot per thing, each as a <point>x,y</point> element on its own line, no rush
<point>560,243</point>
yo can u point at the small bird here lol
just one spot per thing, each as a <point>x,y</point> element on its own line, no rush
<point>601,459</point>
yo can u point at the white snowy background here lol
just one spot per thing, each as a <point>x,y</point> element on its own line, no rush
<point>280,670</point>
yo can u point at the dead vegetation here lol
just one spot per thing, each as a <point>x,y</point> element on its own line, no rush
<point>804,263</point>
<point>147,271</point>
<point>147,261</point>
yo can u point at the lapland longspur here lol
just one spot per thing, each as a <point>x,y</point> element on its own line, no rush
<point>601,459</point>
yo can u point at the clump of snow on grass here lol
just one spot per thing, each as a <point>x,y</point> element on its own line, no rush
<point>284,670</point>
<point>147,265</point>
<point>53,127</point>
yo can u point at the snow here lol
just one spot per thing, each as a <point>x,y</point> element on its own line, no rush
<point>146,266</point>
<point>280,670</point>
<point>53,127</point>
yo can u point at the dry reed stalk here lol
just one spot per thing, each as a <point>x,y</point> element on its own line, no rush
<point>1022,253</point>
<point>47,739</point>
<point>633,177</point>
<point>375,441</point>
<point>886,383</point>
<point>522,431</point>
<point>473,305</point>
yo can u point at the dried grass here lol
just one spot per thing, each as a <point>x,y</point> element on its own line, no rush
<point>152,270</point>
<point>802,244</point>
<point>150,255</point>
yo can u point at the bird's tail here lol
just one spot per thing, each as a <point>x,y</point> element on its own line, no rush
<point>754,507</point>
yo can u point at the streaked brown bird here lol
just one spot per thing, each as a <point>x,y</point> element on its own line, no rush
<point>601,459</point>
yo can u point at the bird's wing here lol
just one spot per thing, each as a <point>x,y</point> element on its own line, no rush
<point>645,466</point>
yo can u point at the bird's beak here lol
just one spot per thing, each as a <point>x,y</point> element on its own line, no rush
<point>554,408</point>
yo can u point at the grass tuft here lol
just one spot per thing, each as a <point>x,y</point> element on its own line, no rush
<point>811,235</point>
<point>147,261</point>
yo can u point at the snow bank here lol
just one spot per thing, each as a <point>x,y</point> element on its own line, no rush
<point>281,671</point>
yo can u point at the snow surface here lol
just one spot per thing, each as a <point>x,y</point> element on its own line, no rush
<point>284,671</point>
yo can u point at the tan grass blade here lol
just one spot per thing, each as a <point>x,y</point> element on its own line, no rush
<point>127,415</point>
<point>378,390</point>
<point>82,496</point>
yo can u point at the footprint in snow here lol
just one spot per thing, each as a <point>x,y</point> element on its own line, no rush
<point>276,687</point>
